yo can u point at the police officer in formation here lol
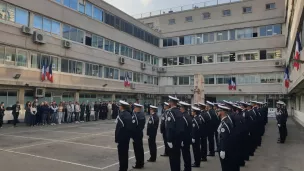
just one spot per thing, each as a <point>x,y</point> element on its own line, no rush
<point>237,128</point>
<point>281,116</point>
<point>163,129</point>
<point>152,132</point>
<point>140,120</point>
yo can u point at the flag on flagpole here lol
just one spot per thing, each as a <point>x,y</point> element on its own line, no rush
<point>298,50</point>
<point>127,80</point>
<point>47,71</point>
<point>231,85</point>
<point>286,77</point>
<point>43,73</point>
<point>50,76</point>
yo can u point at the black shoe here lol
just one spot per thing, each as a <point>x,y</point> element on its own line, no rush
<point>195,165</point>
<point>204,159</point>
<point>211,154</point>
<point>137,167</point>
<point>164,155</point>
<point>151,160</point>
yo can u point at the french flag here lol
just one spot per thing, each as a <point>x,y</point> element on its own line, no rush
<point>50,75</point>
<point>231,85</point>
<point>298,49</point>
<point>126,81</point>
<point>286,77</point>
<point>43,73</point>
<point>47,72</point>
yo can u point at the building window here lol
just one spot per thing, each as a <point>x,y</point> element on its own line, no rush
<point>222,79</point>
<point>71,3</point>
<point>247,10</point>
<point>270,6</point>
<point>245,33</point>
<point>72,33</point>
<point>270,30</point>
<point>170,42</point>
<point>208,37</point>
<point>184,80</point>
<point>172,61</point>
<point>10,56</point>
<point>109,45</point>
<point>249,56</point>
<point>97,13</point>
<point>188,19</point>
<point>124,73</point>
<point>147,58</point>
<point>91,70</point>
<point>97,41</point>
<point>225,57</point>
<point>209,79</point>
<point>22,58</point>
<point>88,9</point>
<point>226,12</point>
<point>189,40</point>
<point>206,15</point>
<point>136,77</point>
<point>223,35</point>
<point>14,14</point>
<point>165,61</point>
<point>270,54</point>
<point>186,60</point>
<point>111,73</point>
<point>22,16</point>
<point>171,21</point>
<point>81,7</point>
<point>232,34</point>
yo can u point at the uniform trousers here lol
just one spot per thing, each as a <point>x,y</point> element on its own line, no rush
<point>204,147</point>
<point>123,154</point>
<point>196,146</point>
<point>186,154</point>
<point>138,149</point>
<point>174,155</point>
<point>283,132</point>
<point>152,147</point>
<point>15,115</point>
<point>88,116</point>
<point>166,144</point>
<point>211,142</point>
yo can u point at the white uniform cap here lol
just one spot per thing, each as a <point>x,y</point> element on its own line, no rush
<point>280,102</point>
<point>223,107</point>
<point>173,98</point>
<point>210,103</point>
<point>202,104</point>
<point>239,107</point>
<point>123,103</point>
<point>153,107</point>
<point>253,101</point>
<point>195,108</point>
<point>260,103</point>
<point>137,105</point>
<point>184,103</point>
<point>165,103</point>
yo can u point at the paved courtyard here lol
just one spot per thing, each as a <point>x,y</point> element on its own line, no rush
<point>90,146</point>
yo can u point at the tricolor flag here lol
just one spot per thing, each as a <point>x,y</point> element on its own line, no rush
<point>50,76</point>
<point>231,85</point>
<point>127,80</point>
<point>286,77</point>
<point>43,72</point>
<point>298,49</point>
<point>47,71</point>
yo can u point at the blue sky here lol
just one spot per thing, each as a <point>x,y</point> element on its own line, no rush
<point>133,7</point>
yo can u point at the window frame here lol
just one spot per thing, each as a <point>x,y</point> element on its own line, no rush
<point>171,21</point>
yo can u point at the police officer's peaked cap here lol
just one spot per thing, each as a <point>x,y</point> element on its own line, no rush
<point>280,102</point>
<point>137,105</point>
<point>223,107</point>
<point>184,103</point>
<point>243,104</point>
<point>201,104</point>
<point>230,103</point>
<point>195,108</point>
<point>260,103</point>
<point>238,107</point>
<point>173,98</point>
<point>210,103</point>
<point>253,101</point>
<point>165,103</point>
<point>123,103</point>
<point>153,107</point>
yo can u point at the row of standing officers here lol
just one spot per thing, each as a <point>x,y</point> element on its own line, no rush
<point>235,129</point>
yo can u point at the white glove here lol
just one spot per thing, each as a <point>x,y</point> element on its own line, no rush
<point>193,140</point>
<point>182,144</point>
<point>222,155</point>
<point>279,125</point>
<point>170,145</point>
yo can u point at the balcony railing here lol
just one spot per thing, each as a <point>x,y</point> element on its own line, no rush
<point>184,8</point>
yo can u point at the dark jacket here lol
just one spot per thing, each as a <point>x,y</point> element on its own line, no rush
<point>174,125</point>
<point>152,126</point>
<point>196,127</point>
<point>2,111</point>
<point>15,108</point>
<point>124,127</point>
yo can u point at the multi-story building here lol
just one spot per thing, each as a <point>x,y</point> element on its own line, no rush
<point>91,47</point>
<point>295,25</point>
<point>240,41</point>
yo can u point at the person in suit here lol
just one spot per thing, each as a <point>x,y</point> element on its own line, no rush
<point>2,109</point>
<point>88,112</point>
<point>281,116</point>
<point>115,110</point>
<point>15,111</point>
<point>163,128</point>
<point>152,132</point>
<point>196,136</point>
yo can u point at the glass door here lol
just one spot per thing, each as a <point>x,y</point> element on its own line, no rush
<point>57,99</point>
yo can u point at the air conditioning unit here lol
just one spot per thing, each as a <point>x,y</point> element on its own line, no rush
<point>38,37</point>
<point>162,70</point>
<point>153,68</point>
<point>122,60</point>
<point>133,86</point>
<point>279,63</point>
<point>40,92</point>
<point>26,30</point>
<point>66,44</point>
<point>143,66</point>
